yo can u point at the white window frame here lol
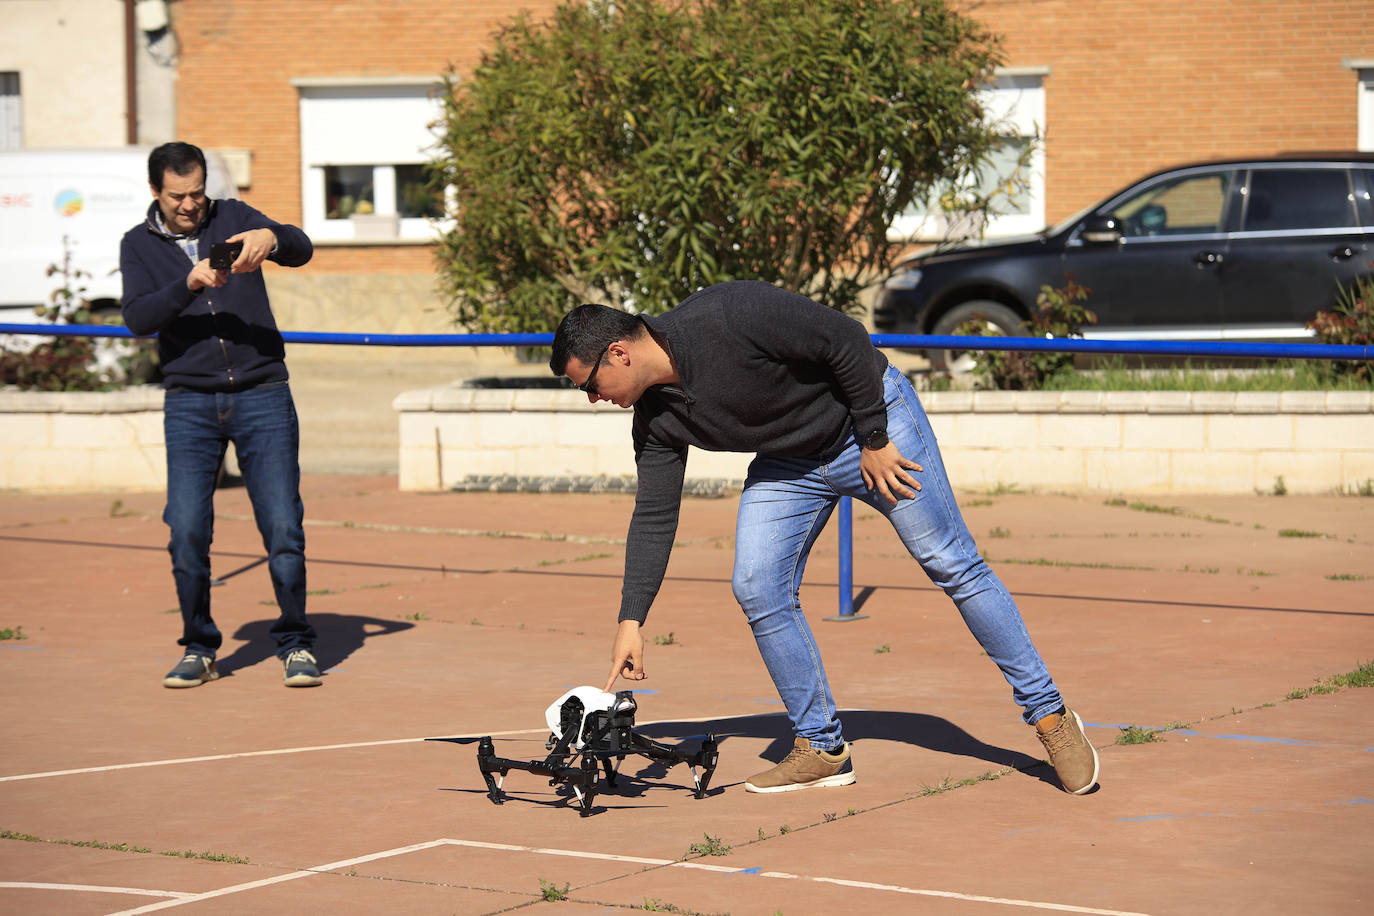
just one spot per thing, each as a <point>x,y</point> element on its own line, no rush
<point>1015,101</point>
<point>1364,102</point>
<point>381,122</point>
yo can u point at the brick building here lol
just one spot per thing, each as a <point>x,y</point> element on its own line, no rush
<point>327,102</point>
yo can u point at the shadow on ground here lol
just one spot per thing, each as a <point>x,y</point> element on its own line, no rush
<point>337,637</point>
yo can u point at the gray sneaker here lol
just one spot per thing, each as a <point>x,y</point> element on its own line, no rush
<point>301,669</point>
<point>805,768</point>
<point>193,670</point>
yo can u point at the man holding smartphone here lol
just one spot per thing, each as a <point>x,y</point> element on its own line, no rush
<point>191,275</point>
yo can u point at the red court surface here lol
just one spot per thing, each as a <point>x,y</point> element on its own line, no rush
<point>462,615</point>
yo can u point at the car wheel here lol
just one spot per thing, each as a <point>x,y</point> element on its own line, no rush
<point>997,320</point>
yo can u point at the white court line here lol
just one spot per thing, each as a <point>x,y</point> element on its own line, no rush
<point>290,876</point>
<point>284,750</point>
<point>96,888</point>
<point>292,750</point>
<point>635,860</point>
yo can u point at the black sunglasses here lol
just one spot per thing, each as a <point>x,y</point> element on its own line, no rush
<point>589,386</point>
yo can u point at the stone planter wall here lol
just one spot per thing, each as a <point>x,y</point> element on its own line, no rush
<point>1146,442</point>
<point>88,440</point>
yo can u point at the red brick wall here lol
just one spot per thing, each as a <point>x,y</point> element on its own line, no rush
<point>1134,84</point>
<point>239,56</point>
<point>1139,84</point>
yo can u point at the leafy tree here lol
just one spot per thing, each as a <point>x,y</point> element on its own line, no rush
<point>631,152</point>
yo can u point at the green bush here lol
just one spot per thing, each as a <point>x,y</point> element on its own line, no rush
<point>1059,313</point>
<point>631,152</point>
<point>73,363</point>
<point>1351,321</point>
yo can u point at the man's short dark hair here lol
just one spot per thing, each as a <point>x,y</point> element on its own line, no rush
<point>588,330</point>
<point>181,158</point>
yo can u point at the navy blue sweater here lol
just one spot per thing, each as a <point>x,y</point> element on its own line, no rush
<point>211,339</point>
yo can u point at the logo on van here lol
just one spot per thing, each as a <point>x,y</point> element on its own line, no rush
<point>68,203</point>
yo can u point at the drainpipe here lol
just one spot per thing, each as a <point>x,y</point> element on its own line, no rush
<point>130,77</point>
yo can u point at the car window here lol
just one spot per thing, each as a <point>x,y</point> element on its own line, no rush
<point>1188,205</point>
<point>1299,199</point>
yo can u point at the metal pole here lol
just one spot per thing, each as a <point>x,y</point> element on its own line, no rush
<point>846,538</point>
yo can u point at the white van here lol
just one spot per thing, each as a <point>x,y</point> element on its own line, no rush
<point>90,197</point>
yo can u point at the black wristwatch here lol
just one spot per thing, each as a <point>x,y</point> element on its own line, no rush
<point>876,439</point>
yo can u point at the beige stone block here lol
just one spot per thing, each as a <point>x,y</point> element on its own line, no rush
<point>1025,469</point>
<point>1249,432</point>
<point>583,427</point>
<point>979,430</point>
<point>126,469</point>
<point>1350,402</point>
<point>467,462</point>
<point>1054,402</point>
<point>91,430</point>
<point>1214,401</point>
<point>1212,472</point>
<point>1082,401</point>
<point>1126,471</point>
<point>617,459</point>
<point>1045,468</point>
<point>1169,402</point>
<point>25,430</point>
<point>148,431</point>
<point>1302,401</point>
<point>418,469</point>
<point>944,425</point>
<point>550,460</point>
<point>52,469</point>
<point>1163,431</point>
<point>1257,402</point>
<point>994,401</point>
<point>703,465</point>
<point>1125,401</point>
<point>947,401</point>
<point>1306,472</point>
<point>510,430</point>
<point>1350,432</point>
<point>1075,431</point>
<point>1357,471</point>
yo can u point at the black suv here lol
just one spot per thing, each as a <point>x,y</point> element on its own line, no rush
<point>1237,249</point>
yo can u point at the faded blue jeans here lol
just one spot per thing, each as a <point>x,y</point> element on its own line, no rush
<point>786,503</point>
<point>262,424</point>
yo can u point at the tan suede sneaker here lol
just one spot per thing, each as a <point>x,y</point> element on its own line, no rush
<point>805,768</point>
<point>1071,753</point>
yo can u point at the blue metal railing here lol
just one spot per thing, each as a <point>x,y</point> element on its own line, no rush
<point>1227,349</point>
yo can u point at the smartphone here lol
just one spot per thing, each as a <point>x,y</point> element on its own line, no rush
<point>223,254</point>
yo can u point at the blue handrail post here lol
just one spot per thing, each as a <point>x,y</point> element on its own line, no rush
<point>846,551</point>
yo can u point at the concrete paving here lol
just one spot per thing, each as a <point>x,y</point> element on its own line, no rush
<point>466,614</point>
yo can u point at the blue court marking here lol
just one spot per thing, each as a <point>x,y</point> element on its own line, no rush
<point>768,701</point>
<point>750,871</point>
<point>1145,818</point>
<point>25,648</point>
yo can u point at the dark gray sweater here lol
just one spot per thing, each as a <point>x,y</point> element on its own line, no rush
<point>762,370</point>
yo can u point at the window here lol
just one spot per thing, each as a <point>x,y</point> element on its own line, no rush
<point>11,120</point>
<point>1281,199</point>
<point>364,146</point>
<point>1364,102</point>
<point>1016,103</point>
<point>1190,205</point>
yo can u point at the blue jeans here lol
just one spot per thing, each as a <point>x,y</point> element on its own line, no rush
<point>261,422</point>
<point>786,503</point>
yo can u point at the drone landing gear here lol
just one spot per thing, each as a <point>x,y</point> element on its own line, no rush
<point>584,743</point>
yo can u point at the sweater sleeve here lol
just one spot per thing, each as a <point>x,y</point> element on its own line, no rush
<point>148,306</point>
<point>658,504</point>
